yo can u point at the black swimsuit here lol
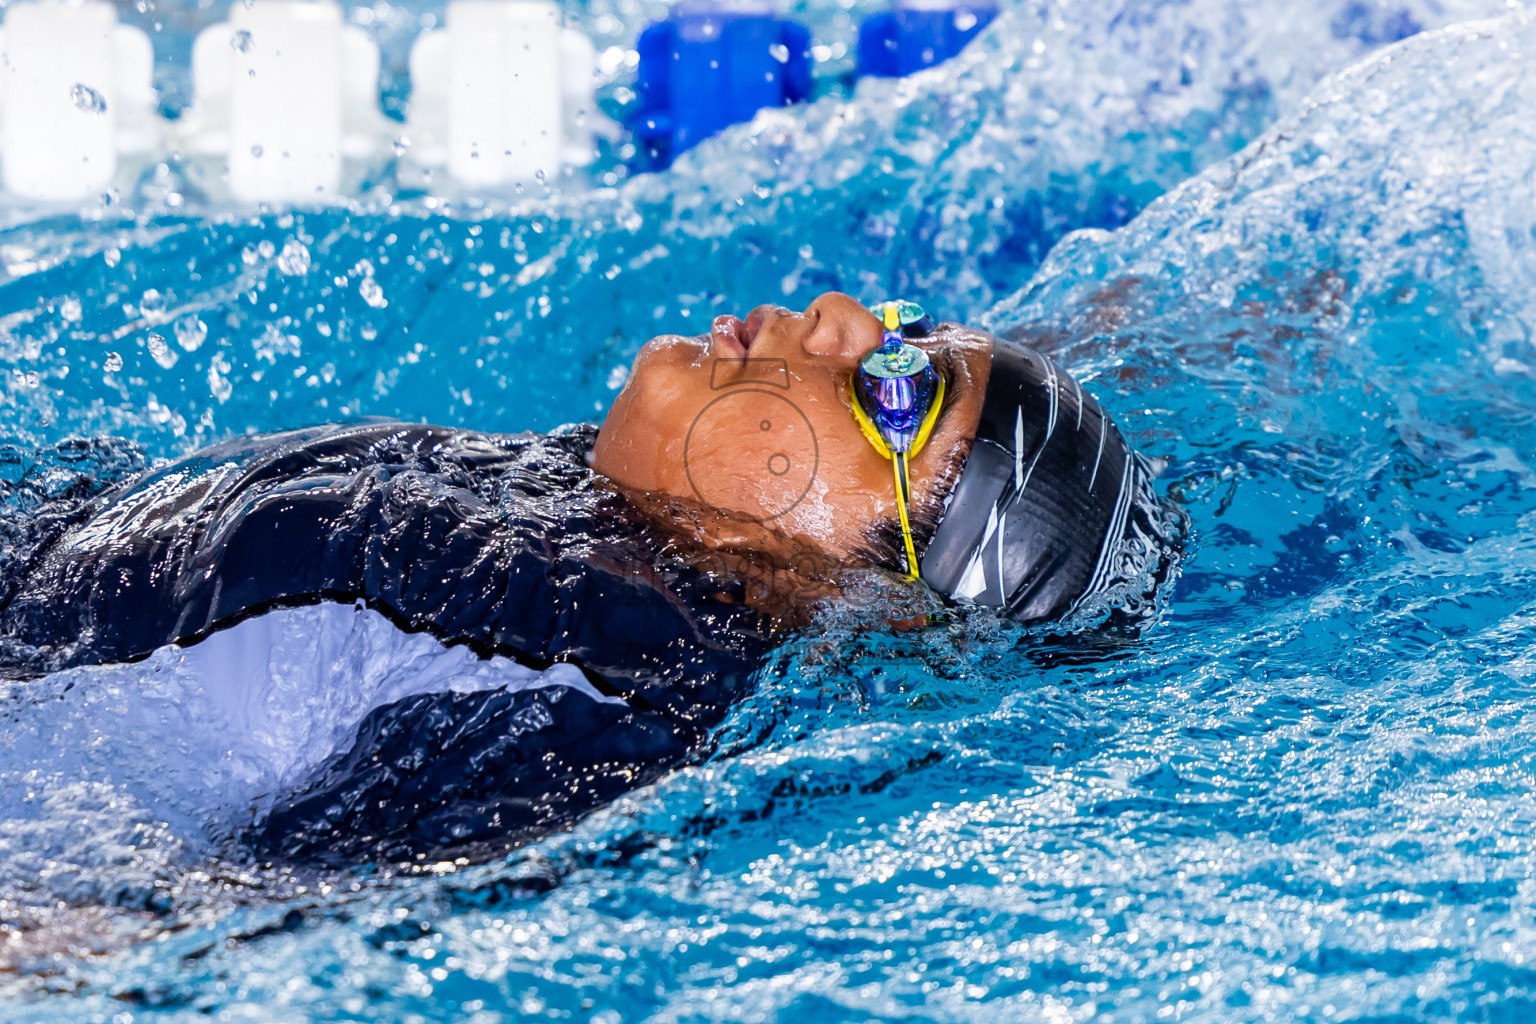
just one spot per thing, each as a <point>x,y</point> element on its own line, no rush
<point>505,543</point>
<point>508,544</point>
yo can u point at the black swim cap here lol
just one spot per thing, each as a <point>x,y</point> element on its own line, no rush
<point>1038,520</point>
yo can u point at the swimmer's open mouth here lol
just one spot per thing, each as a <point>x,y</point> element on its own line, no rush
<point>736,334</point>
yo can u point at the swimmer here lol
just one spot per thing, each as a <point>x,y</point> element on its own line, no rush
<point>737,477</point>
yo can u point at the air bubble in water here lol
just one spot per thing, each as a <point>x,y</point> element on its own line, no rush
<point>256,151</point>
<point>113,363</point>
<point>372,294</point>
<point>163,353</point>
<point>87,99</point>
<point>190,333</point>
<point>294,259</point>
<point>70,310</point>
<point>401,144</point>
<point>266,248</point>
<point>779,52</point>
<point>241,41</point>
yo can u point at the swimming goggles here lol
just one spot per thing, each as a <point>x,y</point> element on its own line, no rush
<point>896,398</point>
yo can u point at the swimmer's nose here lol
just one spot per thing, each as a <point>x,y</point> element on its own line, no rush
<point>841,328</point>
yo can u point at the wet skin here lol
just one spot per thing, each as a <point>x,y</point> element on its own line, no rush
<point>707,425</point>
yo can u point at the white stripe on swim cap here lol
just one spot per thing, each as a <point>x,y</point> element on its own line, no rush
<point>1002,588</point>
<point>974,580</point>
<point>1051,387</point>
<point>1103,429</point>
<point>1018,449</point>
<point>1113,535</point>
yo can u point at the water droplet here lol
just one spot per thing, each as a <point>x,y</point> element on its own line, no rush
<point>218,384</point>
<point>151,304</point>
<point>190,333</point>
<point>163,353</point>
<point>294,259</point>
<point>372,294</point>
<point>241,41</point>
<point>274,343</point>
<point>401,144</point>
<point>114,362</point>
<point>87,99</point>
<point>779,52</point>
<point>70,310</point>
<point>256,151</point>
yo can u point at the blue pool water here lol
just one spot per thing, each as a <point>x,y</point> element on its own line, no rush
<point>1308,794</point>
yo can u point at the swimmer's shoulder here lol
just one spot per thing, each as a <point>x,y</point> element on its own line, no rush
<point>236,465</point>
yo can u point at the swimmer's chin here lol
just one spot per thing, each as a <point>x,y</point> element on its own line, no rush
<point>697,349</point>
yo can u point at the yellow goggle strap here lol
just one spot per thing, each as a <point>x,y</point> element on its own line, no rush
<point>903,498</point>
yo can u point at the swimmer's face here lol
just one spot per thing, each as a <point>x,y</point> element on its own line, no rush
<point>751,425</point>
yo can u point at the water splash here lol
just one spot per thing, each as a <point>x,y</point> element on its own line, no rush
<point>1307,794</point>
<point>951,185</point>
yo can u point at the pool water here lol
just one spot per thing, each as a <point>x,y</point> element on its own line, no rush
<point>1305,277</point>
